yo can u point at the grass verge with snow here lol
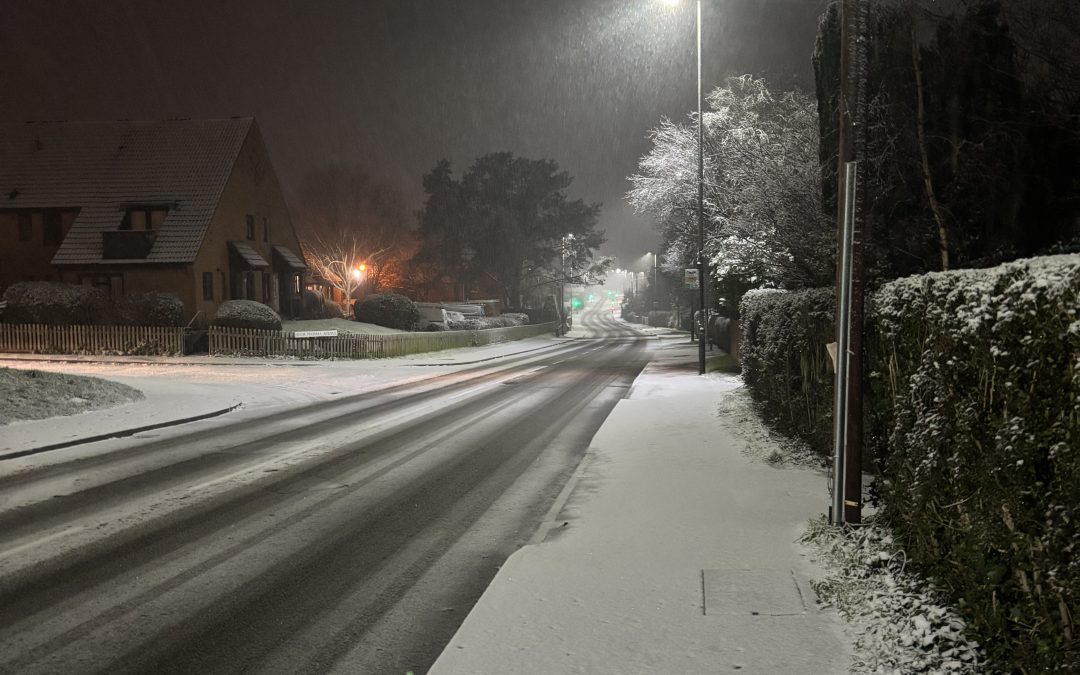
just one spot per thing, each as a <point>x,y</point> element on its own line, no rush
<point>38,395</point>
<point>902,623</point>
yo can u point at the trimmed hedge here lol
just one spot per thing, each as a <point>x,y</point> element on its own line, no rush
<point>388,309</point>
<point>977,384</point>
<point>972,411</point>
<point>784,361</point>
<point>151,309</point>
<point>58,304</point>
<point>246,314</point>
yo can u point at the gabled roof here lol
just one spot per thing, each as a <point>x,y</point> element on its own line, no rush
<point>104,167</point>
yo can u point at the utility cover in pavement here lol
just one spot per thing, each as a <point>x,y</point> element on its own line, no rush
<point>751,592</point>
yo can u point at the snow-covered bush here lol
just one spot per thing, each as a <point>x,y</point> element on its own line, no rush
<point>57,304</point>
<point>507,320</point>
<point>151,309</point>
<point>246,314</point>
<point>976,384</point>
<point>785,363</point>
<point>515,318</point>
<point>388,309</point>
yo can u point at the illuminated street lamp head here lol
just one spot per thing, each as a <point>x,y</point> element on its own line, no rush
<point>670,3</point>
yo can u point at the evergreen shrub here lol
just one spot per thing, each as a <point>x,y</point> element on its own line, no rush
<point>315,306</point>
<point>388,309</point>
<point>976,384</point>
<point>784,361</point>
<point>246,314</point>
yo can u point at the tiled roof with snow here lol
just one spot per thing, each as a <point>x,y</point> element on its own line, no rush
<point>104,167</point>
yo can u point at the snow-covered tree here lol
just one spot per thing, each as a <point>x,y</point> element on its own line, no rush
<point>763,218</point>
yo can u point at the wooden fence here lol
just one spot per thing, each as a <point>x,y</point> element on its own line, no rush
<point>250,342</point>
<point>46,339</point>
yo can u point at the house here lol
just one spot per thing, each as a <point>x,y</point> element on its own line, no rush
<point>190,207</point>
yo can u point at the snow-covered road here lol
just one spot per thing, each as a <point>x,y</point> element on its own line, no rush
<point>350,529</point>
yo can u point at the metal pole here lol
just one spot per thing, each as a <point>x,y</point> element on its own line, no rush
<point>843,350</point>
<point>701,206</point>
<point>656,289</point>
<point>854,16</point>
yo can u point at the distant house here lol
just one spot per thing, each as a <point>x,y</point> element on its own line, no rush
<point>191,207</point>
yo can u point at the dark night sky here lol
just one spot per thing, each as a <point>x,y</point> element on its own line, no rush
<point>396,85</point>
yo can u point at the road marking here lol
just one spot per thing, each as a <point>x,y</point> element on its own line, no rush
<point>43,540</point>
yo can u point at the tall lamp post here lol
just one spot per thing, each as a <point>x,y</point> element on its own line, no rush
<point>700,199</point>
<point>702,279</point>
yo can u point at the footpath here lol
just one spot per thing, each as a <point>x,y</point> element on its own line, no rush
<point>670,552</point>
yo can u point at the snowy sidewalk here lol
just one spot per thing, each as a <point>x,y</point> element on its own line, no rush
<point>673,554</point>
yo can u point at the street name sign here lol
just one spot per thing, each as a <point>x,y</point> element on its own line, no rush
<point>315,333</point>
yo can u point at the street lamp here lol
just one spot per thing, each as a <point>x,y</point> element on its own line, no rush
<point>700,198</point>
<point>358,275</point>
<point>655,288</point>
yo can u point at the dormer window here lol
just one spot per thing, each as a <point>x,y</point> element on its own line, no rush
<point>144,217</point>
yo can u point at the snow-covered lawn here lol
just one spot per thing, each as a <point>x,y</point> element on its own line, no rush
<point>340,325</point>
<point>37,395</point>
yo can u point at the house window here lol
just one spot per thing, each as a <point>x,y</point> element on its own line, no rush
<point>26,227</point>
<point>144,218</point>
<point>251,227</point>
<point>266,229</point>
<point>53,231</point>
<point>207,285</point>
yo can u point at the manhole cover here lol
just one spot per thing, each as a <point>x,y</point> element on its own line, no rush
<point>751,592</point>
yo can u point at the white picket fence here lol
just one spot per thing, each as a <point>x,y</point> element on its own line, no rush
<point>46,339</point>
<point>251,342</point>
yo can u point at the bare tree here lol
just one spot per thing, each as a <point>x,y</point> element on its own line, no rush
<point>355,230</point>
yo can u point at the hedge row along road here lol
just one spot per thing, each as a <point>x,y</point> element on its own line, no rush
<point>349,536</point>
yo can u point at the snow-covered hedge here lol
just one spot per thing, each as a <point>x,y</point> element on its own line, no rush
<point>388,309</point>
<point>57,304</point>
<point>784,361</point>
<point>977,386</point>
<point>151,309</point>
<point>246,314</point>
